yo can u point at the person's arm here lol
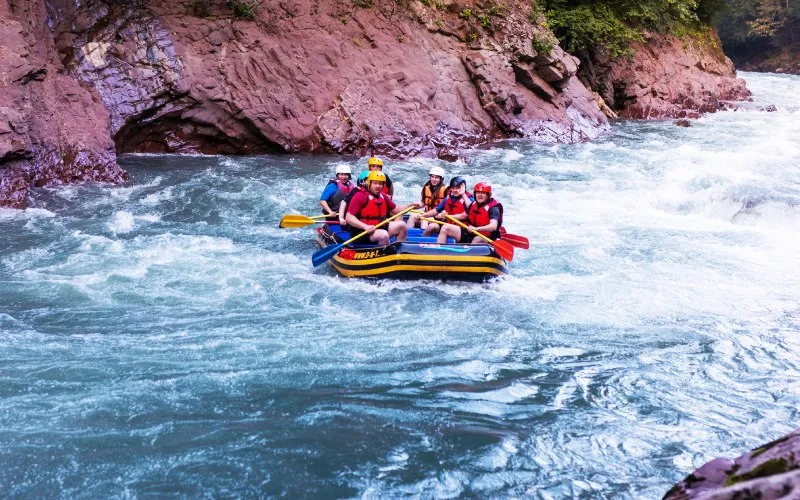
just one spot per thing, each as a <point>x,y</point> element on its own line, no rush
<point>467,200</point>
<point>343,213</point>
<point>395,209</point>
<point>329,191</point>
<point>436,211</point>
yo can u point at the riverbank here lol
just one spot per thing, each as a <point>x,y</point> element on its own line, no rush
<point>391,78</point>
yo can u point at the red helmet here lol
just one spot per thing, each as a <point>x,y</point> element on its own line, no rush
<point>483,187</point>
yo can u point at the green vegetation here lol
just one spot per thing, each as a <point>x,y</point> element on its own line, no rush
<point>768,468</point>
<point>582,25</point>
<point>542,44</point>
<point>244,9</point>
<point>747,26</point>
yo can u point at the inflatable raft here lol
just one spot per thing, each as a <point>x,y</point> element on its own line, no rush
<point>418,257</point>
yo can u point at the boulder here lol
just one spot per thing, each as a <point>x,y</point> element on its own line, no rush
<point>771,471</point>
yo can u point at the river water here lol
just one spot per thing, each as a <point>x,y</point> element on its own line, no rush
<point>165,338</point>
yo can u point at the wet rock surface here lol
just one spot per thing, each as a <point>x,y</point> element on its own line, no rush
<point>52,130</point>
<point>771,471</point>
<point>667,78</point>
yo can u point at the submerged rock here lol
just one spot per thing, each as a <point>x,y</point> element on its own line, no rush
<point>771,471</point>
<point>683,122</point>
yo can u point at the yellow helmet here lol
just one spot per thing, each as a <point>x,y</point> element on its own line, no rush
<point>375,161</point>
<point>375,176</point>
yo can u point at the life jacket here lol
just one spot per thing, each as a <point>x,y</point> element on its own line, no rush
<point>457,206</point>
<point>374,210</point>
<point>431,196</point>
<point>340,194</point>
<point>386,186</point>
<point>479,216</point>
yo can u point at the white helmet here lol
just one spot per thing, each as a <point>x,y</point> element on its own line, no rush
<point>437,171</point>
<point>343,169</point>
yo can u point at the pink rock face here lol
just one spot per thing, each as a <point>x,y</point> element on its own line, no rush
<point>769,472</point>
<point>670,78</point>
<point>396,78</point>
<point>52,130</point>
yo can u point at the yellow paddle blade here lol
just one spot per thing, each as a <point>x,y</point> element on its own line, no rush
<point>295,221</point>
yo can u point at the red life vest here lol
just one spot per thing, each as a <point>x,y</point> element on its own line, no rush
<point>431,196</point>
<point>479,216</point>
<point>374,210</point>
<point>455,207</point>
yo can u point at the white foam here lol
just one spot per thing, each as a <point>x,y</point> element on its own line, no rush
<point>121,223</point>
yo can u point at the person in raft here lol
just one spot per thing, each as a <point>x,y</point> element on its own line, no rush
<point>376,164</point>
<point>433,193</point>
<point>456,204</point>
<point>336,191</point>
<point>343,205</point>
<point>369,207</point>
<point>484,216</point>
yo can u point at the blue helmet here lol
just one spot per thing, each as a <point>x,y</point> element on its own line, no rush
<point>457,181</point>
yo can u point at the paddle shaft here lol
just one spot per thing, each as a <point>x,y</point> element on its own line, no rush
<point>503,248</point>
<point>326,253</point>
<point>464,226</point>
<point>376,226</point>
<point>515,239</point>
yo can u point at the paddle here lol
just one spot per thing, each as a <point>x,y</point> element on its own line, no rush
<point>324,254</point>
<point>293,220</point>
<point>503,248</point>
<point>515,239</point>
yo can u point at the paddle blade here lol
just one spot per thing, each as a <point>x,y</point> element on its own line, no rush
<point>324,254</point>
<point>504,249</point>
<point>516,240</point>
<point>295,221</point>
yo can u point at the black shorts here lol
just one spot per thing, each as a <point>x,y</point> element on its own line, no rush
<point>466,236</point>
<point>364,240</point>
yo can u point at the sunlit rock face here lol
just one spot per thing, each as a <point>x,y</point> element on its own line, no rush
<point>667,77</point>
<point>313,76</point>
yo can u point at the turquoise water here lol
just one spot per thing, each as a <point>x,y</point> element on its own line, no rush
<point>165,338</point>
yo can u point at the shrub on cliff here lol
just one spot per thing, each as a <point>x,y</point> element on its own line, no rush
<point>756,27</point>
<point>585,24</point>
<point>244,9</point>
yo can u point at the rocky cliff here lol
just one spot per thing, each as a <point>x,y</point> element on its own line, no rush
<point>393,77</point>
<point>667,77</point>
<point>771,471</point>
<point>53,130</point>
